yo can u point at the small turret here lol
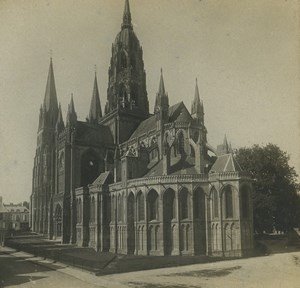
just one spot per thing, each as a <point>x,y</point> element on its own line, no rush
<point>71,115</point>
<point>224,148</point>
<point>60,126</point>
<point>161,108</point>
<point>127,16</point>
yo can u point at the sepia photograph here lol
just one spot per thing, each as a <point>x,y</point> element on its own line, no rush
<point>150,143</point>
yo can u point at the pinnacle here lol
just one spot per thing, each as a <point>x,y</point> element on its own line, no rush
<point>126,16</point>
<point>50,100</point>
<point>95,108</point>
<point>161,89</point>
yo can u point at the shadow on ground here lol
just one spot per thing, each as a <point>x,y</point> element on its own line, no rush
<point>13,270</point>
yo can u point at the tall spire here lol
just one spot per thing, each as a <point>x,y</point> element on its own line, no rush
<point>127,16</point>
<point>95,108</point>
<point>50,100</point>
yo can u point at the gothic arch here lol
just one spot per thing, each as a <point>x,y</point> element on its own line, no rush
<point>184,204</point>
<point>58,220</point>
<point>227,194</point>
<point>169,212</point>
<point>214,196</point>
<point>153,204</point>
<point>199,197</point>
<point>140,206</point>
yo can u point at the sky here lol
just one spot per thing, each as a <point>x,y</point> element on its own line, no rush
<point>245,55</point>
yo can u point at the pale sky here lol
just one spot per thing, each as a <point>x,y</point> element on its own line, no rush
<point>245,55</point>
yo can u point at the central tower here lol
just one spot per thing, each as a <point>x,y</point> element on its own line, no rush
<point>127,102</point>
<point>127,77</point>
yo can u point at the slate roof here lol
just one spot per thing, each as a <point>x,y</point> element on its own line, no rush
<point>226,163</point>
<point>102,178</point>
<point>144,127</point>
<point>177,112</point>
<point>178,166</point>
<point>93,133</point>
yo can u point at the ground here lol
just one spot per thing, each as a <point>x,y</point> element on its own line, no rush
<point>18,269</point>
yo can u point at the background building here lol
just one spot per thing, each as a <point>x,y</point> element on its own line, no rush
<point>134,182</point>
<point>4,222</point>
<point>18,215</point>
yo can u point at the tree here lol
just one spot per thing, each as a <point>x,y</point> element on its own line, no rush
<point>275,200</point>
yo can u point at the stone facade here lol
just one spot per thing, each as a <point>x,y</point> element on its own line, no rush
<point>132,182</point>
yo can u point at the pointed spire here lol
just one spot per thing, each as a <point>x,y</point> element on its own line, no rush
<point>161,89</point>
<point>127,16</point>
<point>197,110</point>
<point>225,142</point>
<point>50,100</point>
<point>60,121</point>
<point>196,104</point>
<point>197,97</point>
<point>71,116</point>
<point>162,99</point>
<point>95,108</point>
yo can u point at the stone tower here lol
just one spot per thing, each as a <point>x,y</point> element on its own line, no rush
<point>44,161</point>
<point>126,93</point>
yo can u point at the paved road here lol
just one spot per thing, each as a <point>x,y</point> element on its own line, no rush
<point>17,269</point>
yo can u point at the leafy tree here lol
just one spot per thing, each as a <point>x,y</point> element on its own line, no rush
<point>275,200</point>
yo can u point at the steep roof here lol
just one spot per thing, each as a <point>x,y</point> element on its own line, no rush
<point>184,166</point>
<point>50,100</point>
<point>177,112</point>
<point>95,107</point>
<point>103,178</point>
<point>144,127</point>
<point>226,163</point>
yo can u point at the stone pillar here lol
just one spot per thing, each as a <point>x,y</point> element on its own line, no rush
<point>176,246</point>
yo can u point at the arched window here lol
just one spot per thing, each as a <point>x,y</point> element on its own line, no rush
<point>199,204</point>
<point>169,205</point>
<point>228,202</point>
<point>141,207</point>
<point>153,205</point>
<point>184,204</point>
<point>180,143</point>
<point>215,202</point>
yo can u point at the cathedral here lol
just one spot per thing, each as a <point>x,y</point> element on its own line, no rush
<point>129,181</point>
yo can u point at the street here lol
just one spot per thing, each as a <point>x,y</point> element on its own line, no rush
<point>18,269</point>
